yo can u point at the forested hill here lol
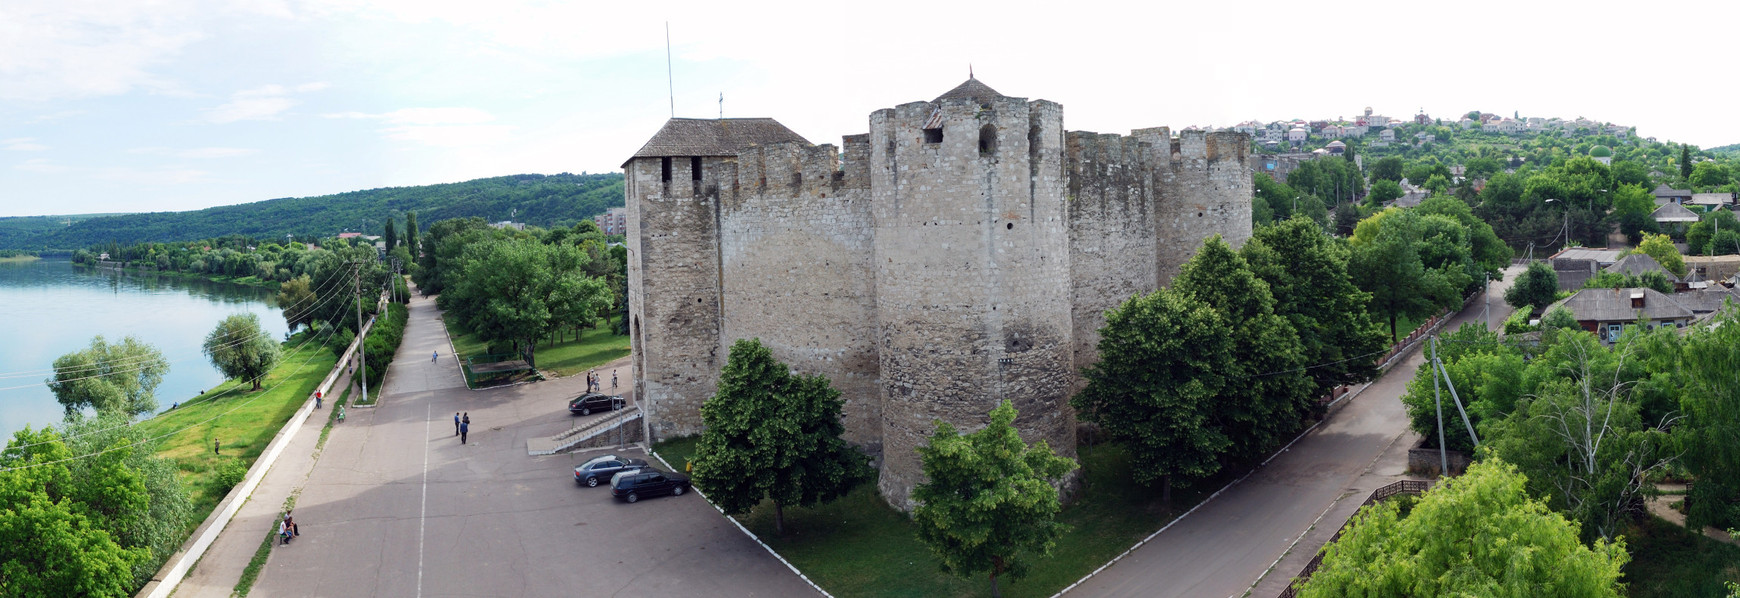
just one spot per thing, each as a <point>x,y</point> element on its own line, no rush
<point>543,200</point>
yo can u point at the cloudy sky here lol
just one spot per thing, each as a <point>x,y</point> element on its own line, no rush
<point>151,105</point>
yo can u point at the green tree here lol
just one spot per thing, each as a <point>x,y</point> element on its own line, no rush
<point>1712,428</point>
<point>296,298</point>
<point>1538,286</point>
<point>52,542</point>
<point>1163,361</point>
<point>411,232</point>
<point>1436,183</point>
<point>520,290</point>
<point>1387,169</point>
<point>1488,376</point>
<point>1268,393</point>
<point>1307,275</point>
<point>1383,190</point>
<point>773,435</point>
<point>1686,162</point>
<point>390,234</point>
<point>159,525</point>
<point>1700,234</point>
<point>1389,268</point>
<point>109,377</point>
<point>1475,535</point>
<point>988,501</point>
<point>1662,249</point>
<point>241,350</point>
<point>1632,206</point>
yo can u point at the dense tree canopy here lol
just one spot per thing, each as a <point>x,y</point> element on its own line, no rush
<point>240,349</point>
<point>1307,274</point>
<point>109,377</point>
<point>520,290</point>
<point>769,434</point>
<point>988,503</point>
<point>1475,535</point>
<point>1538,286</point>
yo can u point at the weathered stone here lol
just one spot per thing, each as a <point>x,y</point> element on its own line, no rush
<point>962,253</point>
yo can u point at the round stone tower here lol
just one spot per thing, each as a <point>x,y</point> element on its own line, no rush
<point>972,271</point>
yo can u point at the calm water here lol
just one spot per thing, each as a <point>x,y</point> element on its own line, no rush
<point>49,308</point>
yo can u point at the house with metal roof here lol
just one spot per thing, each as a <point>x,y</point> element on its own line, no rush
<point>1609,312</point>
<point>1665,194</point>
<point>1673,215</point>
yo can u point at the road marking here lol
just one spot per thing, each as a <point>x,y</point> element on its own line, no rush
<point>424,513</point>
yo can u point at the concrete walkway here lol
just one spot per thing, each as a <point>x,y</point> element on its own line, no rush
<point>398,507</point>
<point>1262,530</point>
<point>216,573</point>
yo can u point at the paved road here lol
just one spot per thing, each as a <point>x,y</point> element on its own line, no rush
<point>1227,544</point>
<point>397,507</point>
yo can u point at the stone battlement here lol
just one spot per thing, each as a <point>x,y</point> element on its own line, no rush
<point>961,253</point>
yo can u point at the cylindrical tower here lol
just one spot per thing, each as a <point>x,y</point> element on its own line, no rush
<point>972,271</point>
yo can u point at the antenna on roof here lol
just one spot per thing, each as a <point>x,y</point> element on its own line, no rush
<point>969,70</point>
<point>721,105</point>
<point>669,77</point>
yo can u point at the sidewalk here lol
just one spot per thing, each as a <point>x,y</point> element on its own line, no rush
<point>216,574</point>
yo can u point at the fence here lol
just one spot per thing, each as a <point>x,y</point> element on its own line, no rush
<point>1409,487</point>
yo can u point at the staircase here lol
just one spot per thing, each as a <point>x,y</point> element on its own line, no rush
<point>591,430</point>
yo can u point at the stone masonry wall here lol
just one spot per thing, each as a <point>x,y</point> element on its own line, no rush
<point>972,275</point>
<point>1206,190</point>
<point>674,280</point>
<point>796,247</point>
<point>1112,232</point>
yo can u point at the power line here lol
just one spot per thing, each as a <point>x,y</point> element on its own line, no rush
<point>262,393</point>
<point>100,364</point>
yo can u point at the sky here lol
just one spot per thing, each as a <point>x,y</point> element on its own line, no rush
<point>158,105</point>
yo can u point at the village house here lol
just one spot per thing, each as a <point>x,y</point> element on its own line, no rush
<point>1609,312</point>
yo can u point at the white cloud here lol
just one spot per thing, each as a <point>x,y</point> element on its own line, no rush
<point>158,176</point>
<point>266,102</point>
<point>440,127</point>
<point>41,165</point>
<point>424,116</point>
<point>21,144</point>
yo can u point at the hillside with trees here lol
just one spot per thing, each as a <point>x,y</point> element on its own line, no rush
<point>559,200</point>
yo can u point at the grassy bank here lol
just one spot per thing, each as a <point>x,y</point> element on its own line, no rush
<point>1667,560</point>
<point>242,421</point>
<point>251,281</point>
<point>566,357</point>
<point>860,546</point>
<point>18,259</point>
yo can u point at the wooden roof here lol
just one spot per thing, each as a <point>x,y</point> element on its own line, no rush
<point>714,137</point>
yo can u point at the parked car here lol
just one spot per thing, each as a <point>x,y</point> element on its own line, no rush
<point>648,482</point>
<point>587,403</point>
<point>599,469</point>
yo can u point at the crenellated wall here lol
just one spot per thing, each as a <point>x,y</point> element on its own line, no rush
<point>972,277</point>
<point>929,275</point>
<point>796,247</point>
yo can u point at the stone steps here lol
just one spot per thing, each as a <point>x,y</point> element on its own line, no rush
<point>580,434</point>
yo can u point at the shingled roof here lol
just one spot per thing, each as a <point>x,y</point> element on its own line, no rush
<point>1638,263</point>
<point>1614,305</point>
<point>713,137</point>
<point>1673,212</point>
<point>972,89</point>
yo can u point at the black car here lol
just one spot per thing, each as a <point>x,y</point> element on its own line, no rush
<point>587,403</point>
<point>648,482</point>
<point>598,470</point>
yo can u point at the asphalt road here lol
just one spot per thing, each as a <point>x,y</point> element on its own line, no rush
<point>397,507</point>
<point>1228,543</point>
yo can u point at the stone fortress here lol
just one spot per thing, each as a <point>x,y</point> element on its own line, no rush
<point>961,253</point>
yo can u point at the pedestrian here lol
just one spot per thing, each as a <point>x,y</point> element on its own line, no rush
<point>434,356</point>
<point>464,429</point>
<point>456,423</point>
<point>466,419</point>
<point>215,447</point>
<point>283,533</point>
<point>612,379</point>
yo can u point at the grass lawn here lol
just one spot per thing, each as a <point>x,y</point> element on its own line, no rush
<point>1667,560</point>
<point>567,357</point>
<point>860,546</point>
<point>243,432</point>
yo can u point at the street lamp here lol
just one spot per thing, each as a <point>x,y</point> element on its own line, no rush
<point>1566,228</point>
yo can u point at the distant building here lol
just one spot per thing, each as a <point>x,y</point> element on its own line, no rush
<point>1602,154</point>
<point>1336,147</point>
<point>1608,312</point>
<point>613,221</point>
<point>349,235</point>
<point>505,224</point>
<point>1665,194</point>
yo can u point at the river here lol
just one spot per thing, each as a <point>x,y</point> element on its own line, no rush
<point>49,308</point>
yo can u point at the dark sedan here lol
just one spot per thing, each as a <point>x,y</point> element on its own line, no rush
<point>648,482</point>
<point>587,403</point>
<point>598,470</point>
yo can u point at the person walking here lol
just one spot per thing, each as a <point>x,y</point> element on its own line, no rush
<point>434,356</point>
<point>464,429</point>
<point>612,379</point>
<point>456,423</point>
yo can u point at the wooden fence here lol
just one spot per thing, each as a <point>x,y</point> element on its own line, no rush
<point>1410,487</point>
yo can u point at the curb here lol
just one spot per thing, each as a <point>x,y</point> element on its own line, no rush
<point>746,531</point>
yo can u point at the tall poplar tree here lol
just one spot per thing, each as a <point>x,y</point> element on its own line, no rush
<point>411,232</point>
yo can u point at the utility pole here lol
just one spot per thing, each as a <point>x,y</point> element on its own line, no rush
<point>361,359</point>
<point>1438,403</point>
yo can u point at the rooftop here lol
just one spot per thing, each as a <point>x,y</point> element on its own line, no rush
<point>1673,212</point>
<point>1615,305</point>
<point>714,137</point>
<point>971,89</point>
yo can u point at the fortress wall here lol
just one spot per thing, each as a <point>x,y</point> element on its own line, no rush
<point>674,284</point>
<point>1205,189</point>
<point>796,254</point>
<point>972,280</point>
<point>1113,253</point>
